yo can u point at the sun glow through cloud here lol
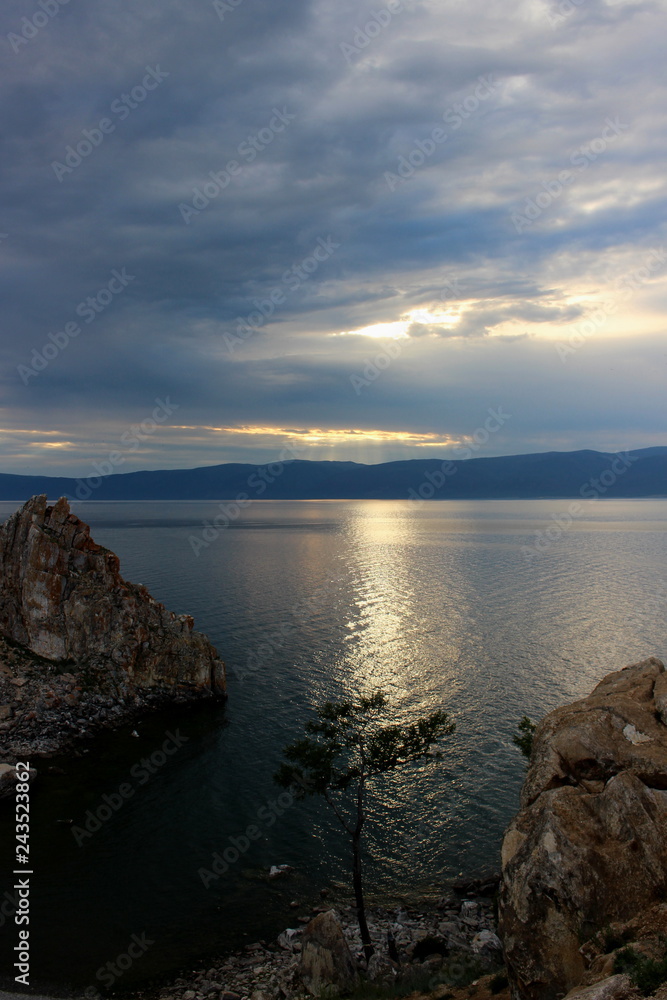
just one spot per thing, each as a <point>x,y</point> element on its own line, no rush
<point>517,259</point>
<point>326,435</point>
<point>400,329</point>
<point>393,330</point>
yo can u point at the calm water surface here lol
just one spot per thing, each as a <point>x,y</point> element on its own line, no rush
<point>313,600</point>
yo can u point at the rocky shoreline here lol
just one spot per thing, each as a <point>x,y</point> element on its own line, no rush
<point>47,709</point>
<point>450,944</point>
<point>81,648</point>
<point>582,906</point>
<point>584,861</point>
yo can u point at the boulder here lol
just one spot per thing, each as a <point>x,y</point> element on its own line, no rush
<point>8,779</point>
<point>326,960</point>
<point>588,847</point>
<point>289,938</point>
<point>381,969</point>
<point>612,988</point>
<point>62,598</point>
<point>660,695</point>
<point>486,943</point>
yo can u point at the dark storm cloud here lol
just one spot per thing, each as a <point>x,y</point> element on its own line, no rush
<point>240,138</point>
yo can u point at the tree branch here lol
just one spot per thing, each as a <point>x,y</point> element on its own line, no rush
<point>339,815</point>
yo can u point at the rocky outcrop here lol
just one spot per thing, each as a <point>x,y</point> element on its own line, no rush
<point>588,849</point>
<point>326,960</point>
<point>66,612</point>
<point>614,988</point>
<point>273,971</point>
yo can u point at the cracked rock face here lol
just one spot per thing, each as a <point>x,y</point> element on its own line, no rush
<point>62,597</point>
<point>588,848</point>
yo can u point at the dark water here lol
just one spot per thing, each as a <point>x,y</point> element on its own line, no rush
<point>307,601</point>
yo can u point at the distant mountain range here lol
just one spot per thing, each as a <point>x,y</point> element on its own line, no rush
<point>640,473</point>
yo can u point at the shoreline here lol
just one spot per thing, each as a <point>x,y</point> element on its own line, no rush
<point>462,925</point>
<point>267,969</point>
<point>49,710</point>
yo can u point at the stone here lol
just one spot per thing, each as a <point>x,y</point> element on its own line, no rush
<point>62,598</point>
<point>278,871</point>
<point>660,696</point>
<point>587,848</point>
<point>447,927</point>
<point>380,970</point>
<point>427,946</point>
<point>613,988</point>
<point>326,960</point>
<point>239,975</point>
<point>8,778</point>
<point>288,938</point>
<point>585,741</point>
<point>486,943</point>
<point>6,712</point>
<point>484,885</point>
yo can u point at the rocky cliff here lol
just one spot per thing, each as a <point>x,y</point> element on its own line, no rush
<point>66,612</point>
<point>585,860</point>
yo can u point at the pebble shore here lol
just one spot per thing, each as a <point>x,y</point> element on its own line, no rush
<point>45,710</point>
<point>464,929</point>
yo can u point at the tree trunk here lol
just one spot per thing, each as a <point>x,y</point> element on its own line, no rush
<point>359,897</point>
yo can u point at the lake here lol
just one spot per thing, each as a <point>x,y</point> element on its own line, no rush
<point>450,604</point>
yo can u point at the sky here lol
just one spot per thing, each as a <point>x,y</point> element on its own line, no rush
<point>360,231</point>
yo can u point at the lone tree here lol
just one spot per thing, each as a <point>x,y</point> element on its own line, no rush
<point>523,738</point>
<point>344,750</point>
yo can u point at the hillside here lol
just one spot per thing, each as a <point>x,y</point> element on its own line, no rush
<point>642,473</point>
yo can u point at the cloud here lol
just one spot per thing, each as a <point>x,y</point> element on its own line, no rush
<point>314,129</point>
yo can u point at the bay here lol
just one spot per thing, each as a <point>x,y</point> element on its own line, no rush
<point>445,604</point>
